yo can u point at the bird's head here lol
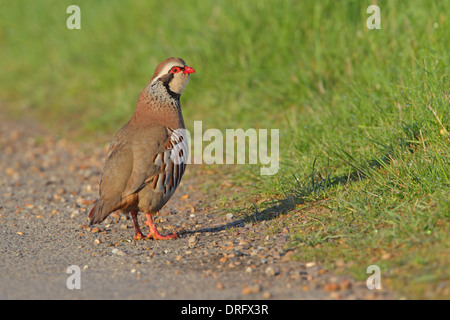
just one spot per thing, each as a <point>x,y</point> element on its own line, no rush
<point>174,75</point>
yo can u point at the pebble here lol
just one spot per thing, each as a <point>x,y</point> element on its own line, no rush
<point>192,241</point>
<point>244,243</point>
<point>288,256</point>
<point>238,253</point>
<point>220,286</point>
<point>331,286</point>
<point>253,288</point>
<point>186,225</point>
<point>118,252</point>
<point>270,271</point>
<point>345,285</point>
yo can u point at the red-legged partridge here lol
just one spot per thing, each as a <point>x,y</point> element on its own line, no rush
<point>147,157</point>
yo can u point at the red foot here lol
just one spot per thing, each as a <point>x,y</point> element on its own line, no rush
<point>154,234</point>
<point>139,236</point>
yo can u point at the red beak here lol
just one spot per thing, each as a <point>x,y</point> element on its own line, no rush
<point>188,70</point>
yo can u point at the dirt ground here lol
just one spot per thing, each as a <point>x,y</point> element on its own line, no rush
<point>48,186</point>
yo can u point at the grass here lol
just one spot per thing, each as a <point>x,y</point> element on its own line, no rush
<point>363,114</point>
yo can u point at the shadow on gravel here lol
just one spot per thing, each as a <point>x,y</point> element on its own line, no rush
<point>281,207</point>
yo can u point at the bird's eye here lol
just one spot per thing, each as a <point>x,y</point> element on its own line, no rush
<point>175,70</point>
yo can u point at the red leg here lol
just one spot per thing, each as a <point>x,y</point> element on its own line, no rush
<point>154,232</point>
<point>139,235</point>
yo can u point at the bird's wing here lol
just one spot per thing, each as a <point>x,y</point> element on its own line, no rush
<point>146,144</point>
<point>117,169</point>
<point>127,166</point>
<point>115,175</point>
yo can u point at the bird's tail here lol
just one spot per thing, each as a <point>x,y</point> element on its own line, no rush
<point>100,211</point>
<point>104,208</point>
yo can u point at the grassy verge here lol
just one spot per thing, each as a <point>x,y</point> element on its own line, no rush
<point>363,114</point>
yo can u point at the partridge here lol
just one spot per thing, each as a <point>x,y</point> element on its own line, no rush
<point>147,158</point>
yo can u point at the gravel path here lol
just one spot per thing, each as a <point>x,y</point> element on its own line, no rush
<point>47,187</point>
